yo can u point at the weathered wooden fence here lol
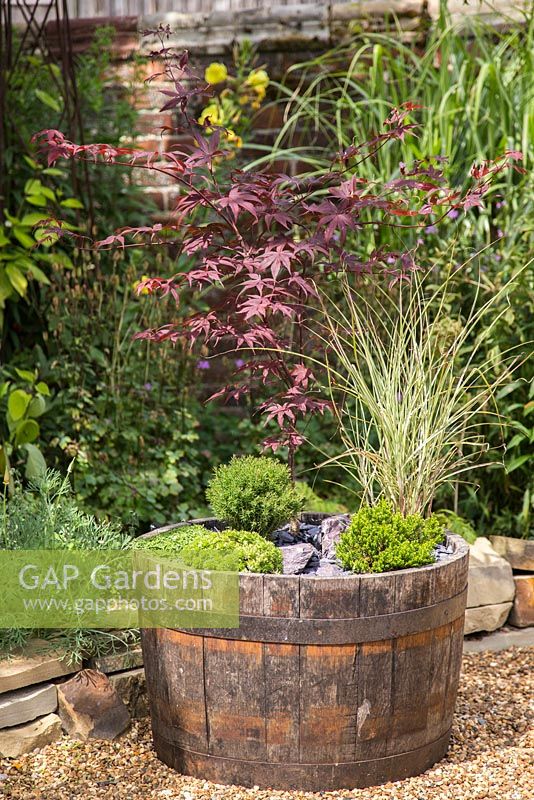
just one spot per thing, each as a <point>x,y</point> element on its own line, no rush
<point>126,8</point>
<point>141,8</point>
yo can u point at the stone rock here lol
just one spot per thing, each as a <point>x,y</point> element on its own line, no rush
<point>14,742</point>
<point>39,662</point>
<point>23,705</point>
<point>490,580</point>
<point>522,614</point>
<point>90,707</point>
<point>518,552</point>
<point>331,530</point>
<point>131,688</point>
<point>296,557</point>
<point>486,618</point>
<point>284,537</point>
<point>118,662</point>
<point>329,569</point>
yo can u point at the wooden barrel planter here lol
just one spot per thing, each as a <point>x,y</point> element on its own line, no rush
<point>328,683</point>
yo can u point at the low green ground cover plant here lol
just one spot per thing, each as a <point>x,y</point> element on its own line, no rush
<point>170,543</point>
<point>233,551</point>
<point>380,539</point>
<point>230,550</point>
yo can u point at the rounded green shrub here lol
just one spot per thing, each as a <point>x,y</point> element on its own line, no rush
<point>233,551</point>
<point>379,539</point>
<point>254,494</point>
<point>171,542</point>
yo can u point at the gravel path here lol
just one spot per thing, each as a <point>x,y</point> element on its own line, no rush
<point>491,754</point>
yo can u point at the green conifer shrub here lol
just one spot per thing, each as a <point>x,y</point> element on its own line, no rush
<point>379,539</point>
<point>254,494</point>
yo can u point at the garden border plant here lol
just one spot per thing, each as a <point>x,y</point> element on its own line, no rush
<point>45,516</point>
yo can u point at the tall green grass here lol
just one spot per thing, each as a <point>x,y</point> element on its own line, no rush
<point>475,86</point>
<point>407,399</point>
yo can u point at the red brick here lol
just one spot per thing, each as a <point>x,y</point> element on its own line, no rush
<point>183,141</point>
<point>269,117</point>
<point>152,143</point>
<point>153,122</point>
<point>522,613</point>
<point>160,198</point>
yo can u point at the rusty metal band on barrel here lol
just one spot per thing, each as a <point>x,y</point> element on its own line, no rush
<point>294,630</point>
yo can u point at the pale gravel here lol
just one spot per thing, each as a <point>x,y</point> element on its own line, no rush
<point>491,754</point>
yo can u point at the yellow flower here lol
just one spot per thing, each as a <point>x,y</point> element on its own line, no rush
<point>136,284</point>
<point>258,77</point>
<point>231,136</point>
<point>215,73</point>
<point>213,112</point>
<point>244,99</point>
<point>260,93</point>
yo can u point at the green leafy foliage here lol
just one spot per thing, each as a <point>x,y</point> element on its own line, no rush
<point>46,516</point>
<point>170,543</point>
<point>254,494</point>
<point>198,547</point>
<point>456,524</point>
<point>23,401</point>
<point>26,251</point>
<point>125,411</point>
<point>500,499</point>
<point>501,496</point>
<point>379,539</point>
<point>312,502</point>
<point>232,551</point>
<point>36,96</point>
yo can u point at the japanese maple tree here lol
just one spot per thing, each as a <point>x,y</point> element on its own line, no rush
<point>256,245</point>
